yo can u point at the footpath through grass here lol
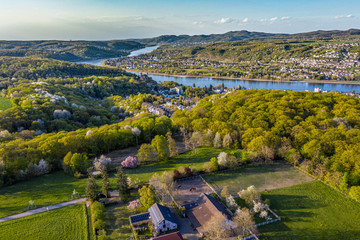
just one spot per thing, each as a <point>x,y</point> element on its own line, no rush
<point>63,223</point>
<point>44,190</point>
<point>187,159</point>
<point>263,177</point>
<point>5,103</point>
<point>312,211</point>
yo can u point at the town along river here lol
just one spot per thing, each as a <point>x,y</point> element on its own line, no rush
<point>207,81</point>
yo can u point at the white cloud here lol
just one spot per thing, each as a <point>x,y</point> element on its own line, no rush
<point>223,20</point>
<point>273,19</point>
<point>285,18</point>
<point>347,16</point>
<point>245,20</point>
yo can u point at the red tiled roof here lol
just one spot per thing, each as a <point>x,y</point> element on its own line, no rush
<point>170,236</point>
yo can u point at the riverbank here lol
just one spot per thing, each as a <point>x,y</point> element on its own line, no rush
<point>249,79</point>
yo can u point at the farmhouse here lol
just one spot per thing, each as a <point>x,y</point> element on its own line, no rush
<point>162,218</point>
<point>205,208</point>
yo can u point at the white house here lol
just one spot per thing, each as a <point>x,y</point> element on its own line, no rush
<point>162,218</point>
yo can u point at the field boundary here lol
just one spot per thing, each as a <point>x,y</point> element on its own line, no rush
<point>314,177</point>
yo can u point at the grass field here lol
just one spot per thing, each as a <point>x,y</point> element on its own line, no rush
<point>187,159</point>
<point>5,103</point>
<point>45,190</point>
<point>312,211</point>
<point>62,223</point>
<point>263,177</point>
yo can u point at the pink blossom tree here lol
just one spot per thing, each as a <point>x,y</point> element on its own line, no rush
<point>129,162</point>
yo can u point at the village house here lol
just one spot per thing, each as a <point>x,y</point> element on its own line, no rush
<point>159,216</point>
<point>205,209</point>
<point>162,218</point>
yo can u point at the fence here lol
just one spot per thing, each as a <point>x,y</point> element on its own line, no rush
<point>209,186</point>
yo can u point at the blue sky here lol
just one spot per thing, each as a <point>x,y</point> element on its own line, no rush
<point>121,19</point>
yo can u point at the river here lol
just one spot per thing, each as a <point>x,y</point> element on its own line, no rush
<point>206,81</point>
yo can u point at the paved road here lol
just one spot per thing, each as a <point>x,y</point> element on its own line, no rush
<point>43,209</point>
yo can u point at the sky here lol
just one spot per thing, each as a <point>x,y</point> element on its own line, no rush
<point>124,19</point>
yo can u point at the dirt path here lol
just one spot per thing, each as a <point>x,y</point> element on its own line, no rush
<point>42,209</point>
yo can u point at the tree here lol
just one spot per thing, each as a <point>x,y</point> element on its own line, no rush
<point>214,163</point>
<point>250,195</point>
<point>122,184</point>
<point>136,132</point>
<point>160,145</point>
<point>129,162</point>
<point>79,163</point>
<point>244,221</point>
<point>227,141</point>
<point>105,182</point>
<point>222,159</point>
<point>217,228</point>
<point>355,192</point>
<point>147,196</point>
<point>196,140</point>
<point>102,162</point>
<point>217,140</point>
<point>92,189</point>
<point>208,138</point>
<point>67,162</point>
<point>224,192</point>
<point>146,153</point>
<point>172,145</point>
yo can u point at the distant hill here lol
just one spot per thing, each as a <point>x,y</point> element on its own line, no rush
<point>242,35</point>
<point>68,50</point>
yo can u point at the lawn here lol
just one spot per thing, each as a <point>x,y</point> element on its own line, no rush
<point>187,159</point>
<point>44,190</point>
<point>312,211</point>
<point>63,223</point>
<point>117,219</point>
<point>5,103</point>
<point>263,177</point>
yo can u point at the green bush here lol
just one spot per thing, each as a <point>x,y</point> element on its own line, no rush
<point>99,225</point>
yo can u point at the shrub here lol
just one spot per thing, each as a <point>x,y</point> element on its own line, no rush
<point>129,162</point>
<point>208,167</point>
<point>188,172</point>
<point>98,215</point>
<point>99,225</point>
<point>177,174</point>
<point>134,204</point>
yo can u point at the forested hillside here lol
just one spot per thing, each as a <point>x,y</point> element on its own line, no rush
<point>318,132</point>
<point>49,95</point>
<point>68,50</point>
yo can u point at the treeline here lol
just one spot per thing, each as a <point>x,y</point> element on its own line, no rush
<point>318,132</point>
<point>17,155</point>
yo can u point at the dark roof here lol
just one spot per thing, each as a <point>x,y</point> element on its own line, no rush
<point>160,213</point>
<point>190,206</point>
<point>140,217</point>
<point>170,236</point>
<point>207,209</point>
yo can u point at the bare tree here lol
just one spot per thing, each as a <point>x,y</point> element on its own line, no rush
<point>244,221</point>
<point>218,228</point>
